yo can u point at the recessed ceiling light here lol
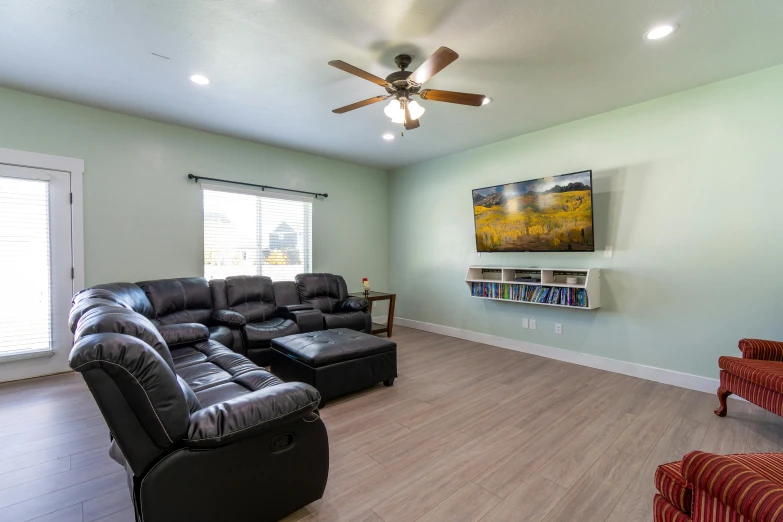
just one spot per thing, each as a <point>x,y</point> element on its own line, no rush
<point>486,101</point>
<point>660,31</point>
<point>199,79</point>
<point>388,137</point>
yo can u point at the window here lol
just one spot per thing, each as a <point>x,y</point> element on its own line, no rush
<point>249,232</point>
<point>25,312</point>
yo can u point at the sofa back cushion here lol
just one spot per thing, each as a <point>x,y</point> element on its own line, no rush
<point>323,291</point>
<point>251,296</point>
<point>114,319</point>
<point>126,295</point>
<point>137,392</point>
<point>180,300</point>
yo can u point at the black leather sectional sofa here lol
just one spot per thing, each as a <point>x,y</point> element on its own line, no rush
<point>204,433</point>
<point>243,313</point>
<point>257,310</point>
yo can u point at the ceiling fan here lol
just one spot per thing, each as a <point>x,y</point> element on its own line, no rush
<point>402,85</point>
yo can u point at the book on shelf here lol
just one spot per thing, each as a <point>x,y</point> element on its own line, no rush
<point>552,295</point>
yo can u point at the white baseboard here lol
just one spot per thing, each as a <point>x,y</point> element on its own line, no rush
<point>651,373</point>
<point>380,319</point>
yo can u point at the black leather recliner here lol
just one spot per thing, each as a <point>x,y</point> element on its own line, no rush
<point>253,298</point>
<point>203,433</point>
<point>329,294</point>
<point>185,300</point>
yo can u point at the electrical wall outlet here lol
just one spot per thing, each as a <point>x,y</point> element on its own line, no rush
<point>525,323</point>
<point>558,328</point>
<point>532,324</point>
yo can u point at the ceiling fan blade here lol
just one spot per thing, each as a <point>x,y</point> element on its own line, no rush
<point>410,123</point>
<point>439,60</point>
<point>363,103</point>
<point>463,98</point>
<point>350,69</point>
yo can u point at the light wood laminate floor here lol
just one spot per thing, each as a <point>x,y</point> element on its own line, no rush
<point>468,432</point>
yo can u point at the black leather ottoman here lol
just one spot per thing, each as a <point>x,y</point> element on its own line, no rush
<point>336,361</point>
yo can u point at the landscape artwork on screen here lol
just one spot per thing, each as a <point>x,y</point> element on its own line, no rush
<point>541,215</point>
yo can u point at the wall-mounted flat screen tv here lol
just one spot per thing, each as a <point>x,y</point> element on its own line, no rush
<point>541,215</point>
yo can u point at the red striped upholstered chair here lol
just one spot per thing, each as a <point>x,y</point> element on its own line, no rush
<point>720,488</point>
<point>756,377</point>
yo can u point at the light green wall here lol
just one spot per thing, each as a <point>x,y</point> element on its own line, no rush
<point>143,219</point>
<point>687,189</point>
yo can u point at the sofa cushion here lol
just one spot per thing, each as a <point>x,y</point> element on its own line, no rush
<point>183,333</point>
<point>186,356</point>
<point>723,484</point>
<point>251,296</point>
<point>761,349</point>
<point>125,294</point>
<point>207,364</point>
<point>181,300</point>
<point>352,320</point>
<point>323,291</point>
<point>114,319</point>
<point>203,375</point>
<point>768,465</point>
<point>768,374</point>
<point>240,385</point>
<point>150,388</point>
<point>664,511</point>
<point>317,349</point>
<point>222,335</point>
<point>670,482</point>
<point>259,335</point>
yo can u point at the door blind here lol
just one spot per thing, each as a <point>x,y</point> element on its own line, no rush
<point>248,233</point>
<point>25,312</point>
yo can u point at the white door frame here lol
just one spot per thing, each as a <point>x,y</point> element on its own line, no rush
<point>75,167</point>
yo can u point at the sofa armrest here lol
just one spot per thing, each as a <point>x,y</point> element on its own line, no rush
<point>761,349</point>
<point>311,320</point>
<point>353,304</point>
<point>295,308</point>
<point>229,318</point>
<point>248,415</point>
<point>744,490</point>
<point>183,333</point>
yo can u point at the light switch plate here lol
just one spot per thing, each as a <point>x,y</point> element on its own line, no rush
<point>525,323</point>
<point>608,252</point>
<point>532,324</point>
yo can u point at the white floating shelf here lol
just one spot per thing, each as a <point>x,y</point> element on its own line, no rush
<point>588,280</point>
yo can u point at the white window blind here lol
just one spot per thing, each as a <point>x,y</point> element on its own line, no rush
<point>25,311</point>
<point>256,233</point>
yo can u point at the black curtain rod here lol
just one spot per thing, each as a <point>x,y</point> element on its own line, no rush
<point>262,187</point>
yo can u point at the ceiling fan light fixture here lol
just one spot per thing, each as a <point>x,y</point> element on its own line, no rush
<point>486,101</point>
<point>394,111</point>
<point>397,114</point>
<point>388,136</point>
<point>415,109</point>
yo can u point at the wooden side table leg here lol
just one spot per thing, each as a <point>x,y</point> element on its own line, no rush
<point>390,318</point>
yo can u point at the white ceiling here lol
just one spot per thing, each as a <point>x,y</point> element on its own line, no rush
<point>544,62</point>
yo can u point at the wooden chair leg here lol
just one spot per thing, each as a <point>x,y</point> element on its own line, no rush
<point>723,394</point>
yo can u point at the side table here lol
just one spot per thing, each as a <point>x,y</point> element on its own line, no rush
<point>380,296</point>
